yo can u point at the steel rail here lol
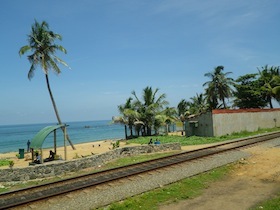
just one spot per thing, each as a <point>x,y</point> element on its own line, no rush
<point>43,191</point>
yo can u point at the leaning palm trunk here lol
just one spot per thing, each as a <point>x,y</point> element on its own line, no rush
<point>131,131</point>
<point>56,111</point>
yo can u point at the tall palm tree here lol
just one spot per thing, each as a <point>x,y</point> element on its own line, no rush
<point>171,114</point>
<point>269,80</point>
<point>41,42</point>
<point>129,116</point>
<point>276,89</point>
<point>198,104</point>
<point>165,118</point>
<point>149,107</point>
<point>219,86</point>
<point>183,112</point>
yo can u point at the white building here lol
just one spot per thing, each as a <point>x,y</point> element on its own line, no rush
<point>221,122</point>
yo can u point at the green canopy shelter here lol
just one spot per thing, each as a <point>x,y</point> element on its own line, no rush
<point>39,138</point>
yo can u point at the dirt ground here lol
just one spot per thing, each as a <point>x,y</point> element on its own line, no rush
<point>253,180</point>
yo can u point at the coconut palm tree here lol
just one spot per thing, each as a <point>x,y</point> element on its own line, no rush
<point>268,78</point>
<point>41,42</point>
<point>149,107</point>
<point>198,104</point>
<point>276,89</point>
<point>219,87</point>
<point>183,112</point>
<point>171,116</point>
<point>165,118</point>
<point>129,116</point>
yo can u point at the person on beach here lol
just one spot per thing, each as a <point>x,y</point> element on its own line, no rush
<point>28,145</point>
<point>37,158</point>
<point>157,141</point>
<point>51,156</point>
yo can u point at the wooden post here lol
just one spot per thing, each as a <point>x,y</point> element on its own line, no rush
<point>41,155</point>
<point>54,141</point>
<point>32,154</point>
<point>65,146</point>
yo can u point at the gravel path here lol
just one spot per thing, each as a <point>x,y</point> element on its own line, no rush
<point>119,190</point>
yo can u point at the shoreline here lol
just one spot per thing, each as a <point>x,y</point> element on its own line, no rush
<point>49,147</point>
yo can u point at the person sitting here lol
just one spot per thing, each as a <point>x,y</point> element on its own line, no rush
<point>37,158</point>
<point>51,156</point>
<point>151,141</point>
<point>157,141</point>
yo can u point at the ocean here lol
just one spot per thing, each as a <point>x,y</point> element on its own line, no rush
<point>15,137</point>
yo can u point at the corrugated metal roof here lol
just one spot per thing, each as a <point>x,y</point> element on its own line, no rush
<point>39,138</point>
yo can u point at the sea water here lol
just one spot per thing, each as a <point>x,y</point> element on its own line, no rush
<point>15,137</point>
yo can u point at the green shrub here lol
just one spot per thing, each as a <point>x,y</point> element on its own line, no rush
<point>4,162</point>
<point>11,163</point>
<point>116,145</point>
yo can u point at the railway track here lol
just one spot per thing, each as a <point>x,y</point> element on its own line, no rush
<point>31,194</point>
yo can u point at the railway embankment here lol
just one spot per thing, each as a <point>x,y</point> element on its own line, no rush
<point>61,167</point>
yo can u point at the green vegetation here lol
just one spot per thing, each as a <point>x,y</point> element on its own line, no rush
<point>150,112</point>
<point>116,144</point>
<point>197,140</point>
<point>11,163</point>
<point>218,88</point>
<point>187,188</point>
<point>4,162</point>
<point>272,204</point>
<point>249,93</point>
<point>143,116</point>
<point>135,159</point>
<point>269,80</point>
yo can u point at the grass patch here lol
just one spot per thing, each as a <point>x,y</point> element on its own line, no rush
<point>187,188</point>
<point>197,140</point>
<point>135,159</point>
<point>4,162</point>
<point>272,204</point>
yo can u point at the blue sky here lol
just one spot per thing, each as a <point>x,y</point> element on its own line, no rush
<point>117,46</point>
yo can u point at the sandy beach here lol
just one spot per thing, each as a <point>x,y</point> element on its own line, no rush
<point>83,149</point>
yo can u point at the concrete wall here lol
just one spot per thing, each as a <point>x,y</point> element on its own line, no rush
<point>61,167</point>
<point>201,125</point>
<point>230,121</point>
<point>223,121</point>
